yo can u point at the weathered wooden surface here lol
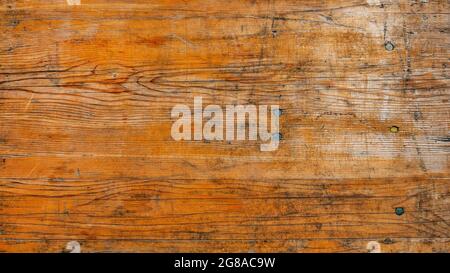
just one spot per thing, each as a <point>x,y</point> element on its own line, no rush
<point>85,146</point>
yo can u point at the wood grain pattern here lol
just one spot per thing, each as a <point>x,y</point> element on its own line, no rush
<point>85,147</point>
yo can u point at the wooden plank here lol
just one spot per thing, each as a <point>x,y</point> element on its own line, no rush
<point>86,151</point>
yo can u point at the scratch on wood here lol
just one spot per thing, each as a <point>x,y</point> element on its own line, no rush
<point>184,40</point>
<point>32,170</point>
<point>29,102</point>
<point>374,2</point>
<point>74,2</point>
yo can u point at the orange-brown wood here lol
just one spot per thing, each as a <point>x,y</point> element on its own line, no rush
<point>86,152</point>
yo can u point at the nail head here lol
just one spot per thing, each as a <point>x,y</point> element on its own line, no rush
<point>394,129</point>
<point>399,211</point>
<point>389,46</point>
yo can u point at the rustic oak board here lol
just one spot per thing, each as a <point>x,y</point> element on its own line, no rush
<point>86,154</point>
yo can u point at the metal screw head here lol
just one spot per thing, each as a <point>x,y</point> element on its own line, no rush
<point>277,136</point>
<point>399,211</point>
<point>394,129</point>
<point>278,112</point>
<point>389,46</point>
